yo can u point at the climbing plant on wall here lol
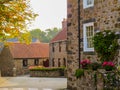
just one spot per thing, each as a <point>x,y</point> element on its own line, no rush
<point>106,45</point>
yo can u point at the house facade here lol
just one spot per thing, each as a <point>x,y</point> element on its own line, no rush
<point>84,19</point>
<point>58,51</point>
<point>17,57</point>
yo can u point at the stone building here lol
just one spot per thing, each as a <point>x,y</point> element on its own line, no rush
<point>84,18</point>
<point>58,53</point>
<point>17,57</point>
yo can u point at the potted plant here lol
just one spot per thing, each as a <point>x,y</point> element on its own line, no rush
<point>85,63</point>
<point>79,73</point>
<point>108,65</point>
<point>95,65</point>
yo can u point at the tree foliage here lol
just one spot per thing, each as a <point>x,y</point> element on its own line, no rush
<point>15,15</point>
<point>44,36</point>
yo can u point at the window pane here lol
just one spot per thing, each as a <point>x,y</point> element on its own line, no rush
<point>89,35</point>
<point>89,2</point>
<point>25,62</point>
<point>36,62</point>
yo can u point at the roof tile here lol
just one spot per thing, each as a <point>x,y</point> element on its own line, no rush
<point>33,50</point>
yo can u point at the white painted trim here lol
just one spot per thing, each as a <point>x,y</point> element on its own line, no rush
<point>85,48</point>
<point>87,6</point>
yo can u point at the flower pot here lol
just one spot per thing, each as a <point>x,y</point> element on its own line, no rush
<point>108,68</point>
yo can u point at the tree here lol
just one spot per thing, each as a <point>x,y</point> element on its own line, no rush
<point>15,15</point>
<point>51,33</point>
<point>38,34</point>
<point>44,36</point>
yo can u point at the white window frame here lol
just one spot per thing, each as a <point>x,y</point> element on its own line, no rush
<point>87,6</point>
<point>85,48</point>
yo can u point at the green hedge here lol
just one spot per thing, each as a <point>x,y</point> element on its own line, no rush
<point>47,69</point>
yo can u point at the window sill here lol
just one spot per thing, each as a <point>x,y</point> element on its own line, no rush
<point>89,53</point>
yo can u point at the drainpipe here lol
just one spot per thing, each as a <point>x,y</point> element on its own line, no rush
<point>79,41</point>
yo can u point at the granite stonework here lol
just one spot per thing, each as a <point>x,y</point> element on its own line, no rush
<point>57,55</point>
<point>22,70</point>
<point>58,48</point>
<point>43,73</point>
<point>106,16</point>
<point>10,66</point>
<point>6,63</point>
<point>96,80</point>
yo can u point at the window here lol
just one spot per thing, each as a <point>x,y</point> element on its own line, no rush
<point>53,49</point>
<point>25,62</point>
<point>59,62</point>
<point>88,3</point>
<point>36,62</point>
<point>53,63</point>
<point>88,33</point>
<point>64,62</point>
<point>59,47</point>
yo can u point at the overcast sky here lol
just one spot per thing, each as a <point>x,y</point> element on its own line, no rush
<point>51,13</point>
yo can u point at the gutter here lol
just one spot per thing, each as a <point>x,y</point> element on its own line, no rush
<point>79,40</point>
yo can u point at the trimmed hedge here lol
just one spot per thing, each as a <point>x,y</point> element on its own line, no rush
<point>47,69</point>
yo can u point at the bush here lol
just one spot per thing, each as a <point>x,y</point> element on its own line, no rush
<point>79,73</point>
<point>106,45</point>
<point>47,69</point>
<point>85,63</point>
<point>95,65</point>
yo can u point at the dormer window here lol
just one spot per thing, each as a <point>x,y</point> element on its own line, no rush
<point>88,3</point>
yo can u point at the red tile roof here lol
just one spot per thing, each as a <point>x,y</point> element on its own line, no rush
<point>62,35</point>
<point>33,50</point>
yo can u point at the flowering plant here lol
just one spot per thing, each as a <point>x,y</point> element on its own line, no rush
<point>108,65</point>
<point>85,63</point>
<point>106,44</point>
<point>34,67</point>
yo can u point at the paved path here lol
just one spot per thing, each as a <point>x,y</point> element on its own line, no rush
<point>30,83</point>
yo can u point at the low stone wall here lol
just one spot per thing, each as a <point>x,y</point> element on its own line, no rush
<point>86,82</point>
<point>42,73</point>
<point>97,80</point>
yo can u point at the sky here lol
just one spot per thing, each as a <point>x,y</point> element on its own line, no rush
<point>51,13</point>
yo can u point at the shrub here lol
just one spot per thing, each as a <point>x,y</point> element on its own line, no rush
<point>79,73</point>
<point>108,65</point>
<point>85,63</point>
<point>106,45</point>
<point>47,69</point>
<point>95,65</point>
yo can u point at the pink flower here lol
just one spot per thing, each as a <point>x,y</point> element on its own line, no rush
<point>111,64</point>
<point>105,63</point>
<point>85,62</point>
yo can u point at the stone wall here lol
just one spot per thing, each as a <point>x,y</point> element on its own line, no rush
<point>58,55</point>
<point>106,16</point>
<point>21,70</point>
<point>97,80</point>
<point>12,67</point>
<point>72,36</point>
<point>6,62</point>
<point>42,73</point>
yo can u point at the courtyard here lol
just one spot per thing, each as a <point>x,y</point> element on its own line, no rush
<point>32,83</point>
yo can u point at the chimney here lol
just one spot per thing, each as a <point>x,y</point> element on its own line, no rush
<point>64,23</point>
